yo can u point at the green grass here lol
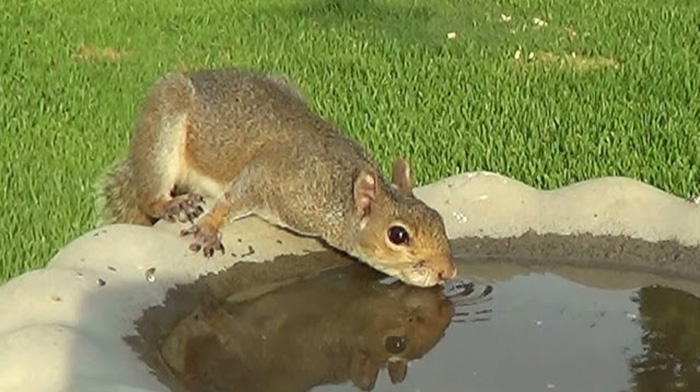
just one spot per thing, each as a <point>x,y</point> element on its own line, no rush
<point>383,70</point>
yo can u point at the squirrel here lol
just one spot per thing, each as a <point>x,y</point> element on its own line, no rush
<point>251,142</point>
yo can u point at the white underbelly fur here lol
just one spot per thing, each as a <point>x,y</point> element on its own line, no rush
<point>202,184</point>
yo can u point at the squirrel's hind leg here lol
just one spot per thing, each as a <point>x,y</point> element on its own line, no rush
<point>158,151</point>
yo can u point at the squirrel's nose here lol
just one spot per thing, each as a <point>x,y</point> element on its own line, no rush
<point>447,272</point>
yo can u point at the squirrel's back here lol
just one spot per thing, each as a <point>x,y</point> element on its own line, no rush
<point>236,107</point>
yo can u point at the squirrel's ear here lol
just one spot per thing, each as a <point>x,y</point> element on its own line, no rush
<point>365,191</point>
<point>363,372</point>
<point>397,371</point>
<point>401,175</point>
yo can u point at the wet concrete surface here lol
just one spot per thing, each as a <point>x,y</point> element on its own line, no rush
<point>534,313</point>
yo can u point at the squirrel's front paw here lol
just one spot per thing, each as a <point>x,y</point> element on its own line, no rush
<point>206,238</point>
<point>184,208</point>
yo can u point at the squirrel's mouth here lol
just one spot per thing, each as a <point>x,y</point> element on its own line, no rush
<point>417,275</point>
<point>423,276</point>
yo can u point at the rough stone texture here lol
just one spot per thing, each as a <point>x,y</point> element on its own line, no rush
<point>62,327</point>
<point>621,253</point>
<point>491,205</point>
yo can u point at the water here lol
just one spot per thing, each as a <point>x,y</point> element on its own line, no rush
<point>323,323</point>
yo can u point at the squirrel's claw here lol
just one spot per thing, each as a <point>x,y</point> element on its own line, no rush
<point>195,247</point>
<point>184,208</point>
<point>207,240</point>
<point>210,249</point>
<point>194,229</point>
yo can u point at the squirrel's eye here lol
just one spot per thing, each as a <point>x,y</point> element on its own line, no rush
<point>397,235</point>
<point>395,344</point>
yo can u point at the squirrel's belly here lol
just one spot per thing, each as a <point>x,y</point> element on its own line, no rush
<point>202,184</point>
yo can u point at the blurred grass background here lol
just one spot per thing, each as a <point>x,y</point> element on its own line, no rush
<point>549,92</point>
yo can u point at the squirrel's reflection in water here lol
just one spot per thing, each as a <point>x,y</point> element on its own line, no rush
<point>342,324</point>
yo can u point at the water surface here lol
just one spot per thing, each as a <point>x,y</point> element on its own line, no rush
<point>324,323</point>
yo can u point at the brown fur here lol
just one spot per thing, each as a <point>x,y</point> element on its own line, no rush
<point>251,142</point>
<point>277,342</point>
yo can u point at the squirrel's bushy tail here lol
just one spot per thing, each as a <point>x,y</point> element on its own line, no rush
<point>118,201</point>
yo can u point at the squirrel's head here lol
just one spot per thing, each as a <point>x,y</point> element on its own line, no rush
<point>399,234</point>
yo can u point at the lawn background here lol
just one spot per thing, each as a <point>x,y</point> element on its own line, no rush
<point>74,73</point>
